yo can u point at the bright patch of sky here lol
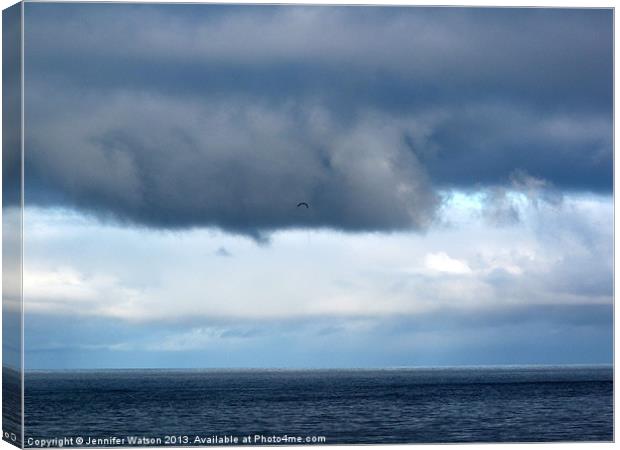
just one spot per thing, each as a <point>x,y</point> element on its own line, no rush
<point>72,265</point>
<point>534,291</point>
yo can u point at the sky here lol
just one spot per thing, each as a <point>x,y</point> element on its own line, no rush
<point>457,164</point>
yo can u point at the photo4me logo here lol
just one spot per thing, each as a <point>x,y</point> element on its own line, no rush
<point>286,439</point>
<point>11,436</point>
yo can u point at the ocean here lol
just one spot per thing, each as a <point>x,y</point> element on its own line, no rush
<point>421,405</point>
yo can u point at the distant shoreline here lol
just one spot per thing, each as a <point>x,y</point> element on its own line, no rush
<point>321,369</point>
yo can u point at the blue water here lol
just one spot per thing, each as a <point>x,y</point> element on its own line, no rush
<point>524,404</point>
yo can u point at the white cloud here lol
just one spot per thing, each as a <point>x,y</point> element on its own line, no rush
<point>441,262</point>
<point>555,256</point>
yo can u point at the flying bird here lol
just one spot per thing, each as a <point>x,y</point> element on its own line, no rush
<point>302,204</point>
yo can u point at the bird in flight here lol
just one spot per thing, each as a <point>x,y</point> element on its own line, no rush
<point>302,204</point>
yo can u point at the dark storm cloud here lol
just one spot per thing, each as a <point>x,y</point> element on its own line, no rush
<point>11,106</point>
<point>239,166</point>
<point>426,55</point>
<point>190,115</point>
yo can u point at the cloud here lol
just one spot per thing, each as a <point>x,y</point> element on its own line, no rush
<point>316,298</point>
<point>238,165</point>
<point>284,48</point>
<point>210,115</point>
<point>12,105</point>
<point>12,256</point>
<point>506,205</point>
<point>486,142</point>
<point>223,252</point>
<point>556,256</point>
<point>457,163</point>
<point>563,334</point>
<point>441,262</point>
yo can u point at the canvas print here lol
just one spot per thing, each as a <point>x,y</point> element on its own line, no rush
<point>233,224</point>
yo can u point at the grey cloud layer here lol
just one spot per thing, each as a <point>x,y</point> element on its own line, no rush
<point>242,167</point>
<point>539,335</point>
<point>176,116</point>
